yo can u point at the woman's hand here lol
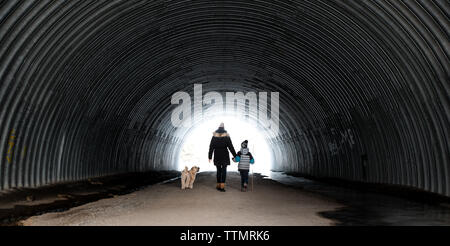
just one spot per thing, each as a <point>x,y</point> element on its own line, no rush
<point>210,160</point>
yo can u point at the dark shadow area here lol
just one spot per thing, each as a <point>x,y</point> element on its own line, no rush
<point>20,204</point>
<point>373,204</point>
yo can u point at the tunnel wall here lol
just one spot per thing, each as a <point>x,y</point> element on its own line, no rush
<point>399,136</point>
<point>85,85</point>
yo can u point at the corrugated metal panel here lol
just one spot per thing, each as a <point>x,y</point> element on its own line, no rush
<point>364,93</point>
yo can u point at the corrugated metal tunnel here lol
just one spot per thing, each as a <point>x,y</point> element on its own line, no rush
<point>364,85</point>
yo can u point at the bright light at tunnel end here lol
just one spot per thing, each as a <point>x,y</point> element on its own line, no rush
<point>245,117</point>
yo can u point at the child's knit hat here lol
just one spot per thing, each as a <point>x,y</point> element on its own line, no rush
<point>244,144</point>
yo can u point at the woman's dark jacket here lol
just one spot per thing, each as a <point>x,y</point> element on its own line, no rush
<point>220,144</point>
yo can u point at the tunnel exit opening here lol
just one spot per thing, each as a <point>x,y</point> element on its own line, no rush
<point>195,147</point>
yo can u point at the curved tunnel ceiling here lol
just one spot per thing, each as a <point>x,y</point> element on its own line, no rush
<point>364,93</point>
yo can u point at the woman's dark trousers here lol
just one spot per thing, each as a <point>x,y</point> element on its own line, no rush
<point>221,173</point>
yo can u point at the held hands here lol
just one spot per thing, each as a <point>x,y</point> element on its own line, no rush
<point>209,160</point>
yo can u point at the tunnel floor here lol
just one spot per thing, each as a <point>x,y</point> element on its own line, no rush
<point>277,199</point>
<point>374,205</point>
<point>270,203</point>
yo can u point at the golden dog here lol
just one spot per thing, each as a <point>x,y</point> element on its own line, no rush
<point>188,177</point>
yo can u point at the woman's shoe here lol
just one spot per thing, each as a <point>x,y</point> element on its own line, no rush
<point>222,187</point>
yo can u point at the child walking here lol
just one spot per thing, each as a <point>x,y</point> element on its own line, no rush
<point>245,158</point>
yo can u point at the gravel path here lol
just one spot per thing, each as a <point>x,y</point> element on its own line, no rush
<point>270,203</point>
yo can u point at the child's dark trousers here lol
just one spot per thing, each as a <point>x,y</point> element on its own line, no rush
<point>244,177</point>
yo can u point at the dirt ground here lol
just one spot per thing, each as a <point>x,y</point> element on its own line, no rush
<point>270,203</point>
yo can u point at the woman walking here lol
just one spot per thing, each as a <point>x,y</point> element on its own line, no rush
<point>220,144</point>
